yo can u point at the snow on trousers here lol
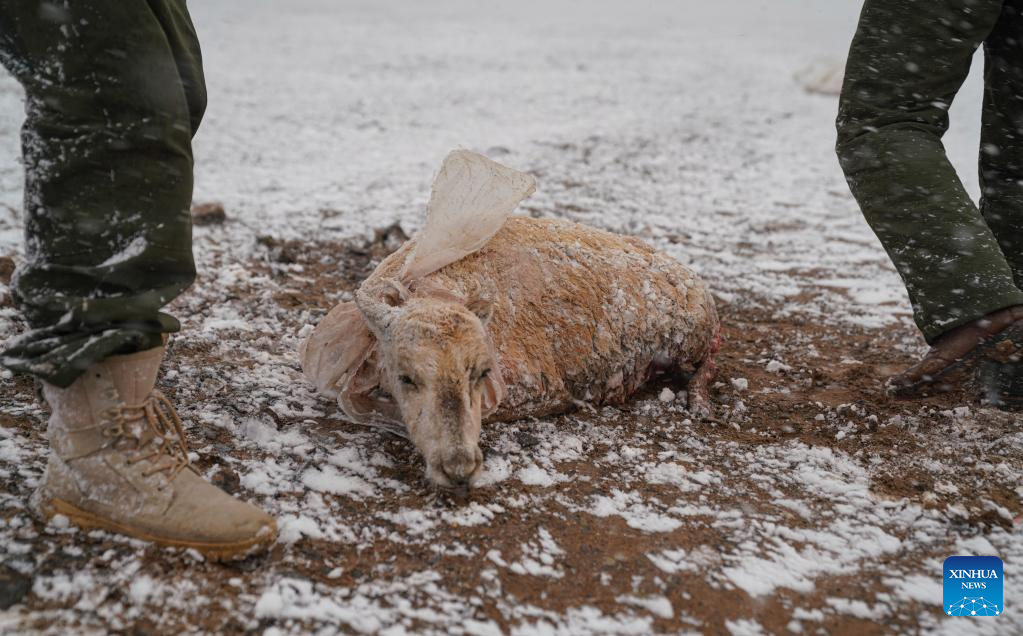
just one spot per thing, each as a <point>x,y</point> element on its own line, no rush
<point>906,64</point>
<point>114,93</point>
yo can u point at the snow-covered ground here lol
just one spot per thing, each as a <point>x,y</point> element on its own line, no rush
<point>662,119</point>
<point>678,122</point>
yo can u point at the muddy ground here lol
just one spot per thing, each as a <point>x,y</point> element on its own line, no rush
<point>811,503</point>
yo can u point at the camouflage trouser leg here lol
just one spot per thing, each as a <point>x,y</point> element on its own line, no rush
<point>114,92</point>
<point>1001,136</point>
<point>907,62</point>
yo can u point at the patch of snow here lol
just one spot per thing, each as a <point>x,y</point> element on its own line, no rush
<point>744,627</point>
<point>659,606</point>
<point>328,479</point>
<point>636,515</point>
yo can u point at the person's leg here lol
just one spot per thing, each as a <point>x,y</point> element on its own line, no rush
<point>113,95</point>
<point>1001,171</point>
<point>1001,155</point>
<point>906,64</point>
<point>184,45</point>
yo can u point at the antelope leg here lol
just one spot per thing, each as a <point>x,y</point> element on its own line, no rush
<point>700,405</point>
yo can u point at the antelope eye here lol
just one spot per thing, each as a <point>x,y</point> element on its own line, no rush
<point>484,374</point>
<point>407,381</point>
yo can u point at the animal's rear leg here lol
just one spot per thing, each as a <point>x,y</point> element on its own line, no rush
<point>700,405</point>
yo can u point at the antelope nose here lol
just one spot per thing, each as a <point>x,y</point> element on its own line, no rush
<point>461,465</point>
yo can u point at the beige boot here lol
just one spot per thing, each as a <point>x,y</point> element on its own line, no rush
<point>119,462</point>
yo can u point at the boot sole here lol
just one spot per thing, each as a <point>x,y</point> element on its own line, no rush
<point>228,551</point>
<point>1004,348</point>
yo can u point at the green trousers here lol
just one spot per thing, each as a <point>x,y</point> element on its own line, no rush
<point>907,62</point>
<point>114,93</point>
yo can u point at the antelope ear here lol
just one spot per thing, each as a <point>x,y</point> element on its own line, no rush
<point>482,307</point>
<point>379,307</point>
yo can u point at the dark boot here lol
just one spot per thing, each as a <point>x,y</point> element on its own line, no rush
<point>1001,385</point>
<point>957,355</point>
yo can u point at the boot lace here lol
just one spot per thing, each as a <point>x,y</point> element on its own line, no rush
<point>167,449</point>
